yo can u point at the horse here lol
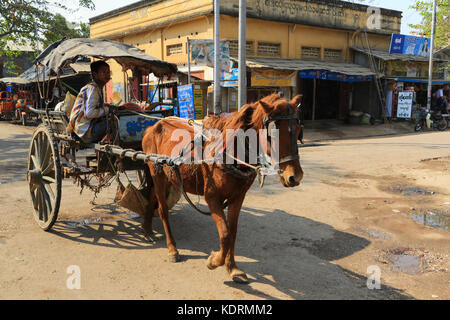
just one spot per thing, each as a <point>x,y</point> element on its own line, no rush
<point>220,183</point>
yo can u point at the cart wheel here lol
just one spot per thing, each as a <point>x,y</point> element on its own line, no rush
<point>44,177</point>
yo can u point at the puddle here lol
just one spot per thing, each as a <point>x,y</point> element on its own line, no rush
<point>412,191</point>
<point>410,264</point>
<point>377,234</point>
<point>434,218</point>
<point>114,217</point>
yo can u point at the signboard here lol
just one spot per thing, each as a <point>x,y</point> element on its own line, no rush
<point>202,53</point>
<point>334,76</point>
<point>186,101</point>
<point>229,79</point>
<point>411,45</point>
<point>404,106</point>
<point>198,103</point>
<point>273,78</point>
<point>132,127</point>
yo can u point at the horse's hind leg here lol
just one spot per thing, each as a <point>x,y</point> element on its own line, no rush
<point>161,185</point>
<point>234,208</point>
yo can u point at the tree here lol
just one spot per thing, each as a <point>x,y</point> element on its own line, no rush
<point>25,21</point>
<point>32,22</point>
<point>63,28</point>
<point>425,9</point>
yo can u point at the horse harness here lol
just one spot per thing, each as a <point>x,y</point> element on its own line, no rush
<point>269,123</point>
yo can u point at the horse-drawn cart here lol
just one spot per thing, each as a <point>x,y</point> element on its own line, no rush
<point>53,151</point>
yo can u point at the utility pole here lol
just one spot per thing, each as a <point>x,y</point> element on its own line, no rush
<point>217,108</point>
<point>430,66</point>
<point>189,60</point>
<point>242,98</point>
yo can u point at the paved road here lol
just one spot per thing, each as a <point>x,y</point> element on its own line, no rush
<point>359,213</point>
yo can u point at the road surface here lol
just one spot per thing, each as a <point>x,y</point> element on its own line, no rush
<point>354,229</point>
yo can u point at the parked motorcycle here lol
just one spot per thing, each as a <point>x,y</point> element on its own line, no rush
<point>432,120</point>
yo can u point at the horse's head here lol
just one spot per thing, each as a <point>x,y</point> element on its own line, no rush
<point>281,114</point>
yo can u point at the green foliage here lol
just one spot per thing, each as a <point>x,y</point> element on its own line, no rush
<point>425,9</point>
<point>33,21</point>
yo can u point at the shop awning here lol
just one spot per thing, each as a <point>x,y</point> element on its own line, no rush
<point>435,82</point>
<point>386,56</point>
<point>348,69</point>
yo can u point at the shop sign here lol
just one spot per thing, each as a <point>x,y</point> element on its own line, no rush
<point>273,78</point>
<point>198,103</point>
<point>411,45</point>
<point>333,76</point>
<point>229,79</point>
<point>404,106</point>
<point>186,101</point>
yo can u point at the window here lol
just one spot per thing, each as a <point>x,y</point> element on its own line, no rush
<point>234,48</point>
<point>311,53</point>
<point>174,49</point>
<point>333,54</point>
<point>267,49</point>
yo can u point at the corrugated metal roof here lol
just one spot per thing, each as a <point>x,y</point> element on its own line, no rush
<point>386,56</point>
<point>298,65</point>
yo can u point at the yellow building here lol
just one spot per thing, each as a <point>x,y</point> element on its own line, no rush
<point>300,35</point>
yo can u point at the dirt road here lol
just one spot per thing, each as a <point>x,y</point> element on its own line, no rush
<point>358,214</point>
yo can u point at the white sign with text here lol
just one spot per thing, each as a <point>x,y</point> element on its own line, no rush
<point>404,106</point>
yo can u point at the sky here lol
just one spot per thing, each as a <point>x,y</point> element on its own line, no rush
<point>409,15</point>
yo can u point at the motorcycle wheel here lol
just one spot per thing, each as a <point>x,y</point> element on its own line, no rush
<point>442,125</point>
<point>418,126</point>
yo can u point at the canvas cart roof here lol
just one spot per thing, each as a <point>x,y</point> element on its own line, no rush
<point>65,51</point>
<point>29,75</point>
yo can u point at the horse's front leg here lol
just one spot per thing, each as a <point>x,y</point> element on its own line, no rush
<point>217,259</point>
<point>234,209</point>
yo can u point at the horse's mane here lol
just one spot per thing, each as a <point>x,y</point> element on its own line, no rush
<point>250,116</point>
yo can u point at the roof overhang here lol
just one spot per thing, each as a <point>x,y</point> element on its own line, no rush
<point>300,65</point>
<point>386,56</point>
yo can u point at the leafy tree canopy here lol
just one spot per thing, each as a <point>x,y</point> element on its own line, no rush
<point>425,9</point>
<point>33,21</point>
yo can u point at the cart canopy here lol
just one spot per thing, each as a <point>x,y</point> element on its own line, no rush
<point>65,51</point>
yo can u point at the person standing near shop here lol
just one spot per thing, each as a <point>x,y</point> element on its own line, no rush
<point>389,98</point>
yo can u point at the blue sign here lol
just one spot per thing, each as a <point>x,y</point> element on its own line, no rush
<point>229,79</point>
<point>334,76</point>
<point>411,45</point>
<point>186,101</point>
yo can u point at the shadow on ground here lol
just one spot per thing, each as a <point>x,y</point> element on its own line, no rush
<point>290,254</point>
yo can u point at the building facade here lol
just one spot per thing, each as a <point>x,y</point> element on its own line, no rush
<point>294,46</point>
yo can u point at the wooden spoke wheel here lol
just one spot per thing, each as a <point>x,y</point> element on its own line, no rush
<point>44,177</point>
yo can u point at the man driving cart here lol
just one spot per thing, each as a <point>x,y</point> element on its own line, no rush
<point>88,119</point>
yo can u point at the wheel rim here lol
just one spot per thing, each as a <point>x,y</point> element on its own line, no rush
<point>44,179</point>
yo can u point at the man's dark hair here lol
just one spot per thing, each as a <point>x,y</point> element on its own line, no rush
<point>96,65</point>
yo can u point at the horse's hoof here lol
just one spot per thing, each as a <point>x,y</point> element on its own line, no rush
<point>239,277</point>
<point>210,264</point>
<point>174,258</point>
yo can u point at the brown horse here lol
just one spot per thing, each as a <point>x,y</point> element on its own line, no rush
<point>219,183</point>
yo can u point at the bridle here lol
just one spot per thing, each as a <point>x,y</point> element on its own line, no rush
<point>269,123</point>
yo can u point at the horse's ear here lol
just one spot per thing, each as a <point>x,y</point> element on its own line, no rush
<point>267,108</point>
<point>296,100</point>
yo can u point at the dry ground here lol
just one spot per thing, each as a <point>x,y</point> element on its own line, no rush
<point>362,203</point>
